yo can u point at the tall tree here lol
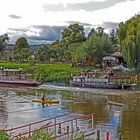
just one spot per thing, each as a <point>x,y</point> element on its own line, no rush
<point>114,41</point>
<point>129,39</point>
<point>98,45</point>
<point>3,42</point>
<point>91,32</point>
<point>21,49</point>
<point>72,34</point>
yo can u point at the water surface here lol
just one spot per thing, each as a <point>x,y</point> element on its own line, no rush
<point>117,111</point>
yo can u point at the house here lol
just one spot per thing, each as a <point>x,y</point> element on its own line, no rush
<point>113,60</point>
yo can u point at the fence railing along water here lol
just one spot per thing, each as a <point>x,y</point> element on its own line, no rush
<point>57,126</point>
<point>66,126</point>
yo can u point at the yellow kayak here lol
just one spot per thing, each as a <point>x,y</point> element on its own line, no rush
<point>49,101</point>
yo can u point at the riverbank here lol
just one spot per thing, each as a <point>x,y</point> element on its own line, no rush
<point>48,88</point>
<point>58,74</point>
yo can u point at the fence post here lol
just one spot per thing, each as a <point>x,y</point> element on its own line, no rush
<point>59,129</point>
<point>92,117</point>
<point>55,125</point>
<point>120,136</point>
<point>77,128</point>
<point>98,134</point>
<point>107,135</point>
<point>72,126</point>
<point>29,130</point>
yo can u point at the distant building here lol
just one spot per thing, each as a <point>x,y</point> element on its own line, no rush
<point>8,53</point>
<point>113,60</point>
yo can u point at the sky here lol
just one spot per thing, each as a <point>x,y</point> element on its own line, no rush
<point>42,21</point>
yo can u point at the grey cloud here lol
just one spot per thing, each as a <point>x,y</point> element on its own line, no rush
<point>47,34</point>
<point>94,5</point>
<point>112,25</point>
<point>108,26</point>
<point>87,6</point>
<point>14,16</point>
<point>54,7</point>
<point>81,23</point>
<point>18,30</point>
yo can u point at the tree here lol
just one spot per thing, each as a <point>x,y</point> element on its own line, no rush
<point>21,49</point>
<point>73,34</point>
<point>98,45</point>
<point>129,40</point>
<point>3,42</point>
<point>70,35</point>
<point>57,51</point>
<point>114,41</point>
<point>43,53</point>
<point>91,32</point>
<point>100,31</point>
<point>78,53</point>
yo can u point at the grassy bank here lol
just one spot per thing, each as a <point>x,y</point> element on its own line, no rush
<point>59,73</point>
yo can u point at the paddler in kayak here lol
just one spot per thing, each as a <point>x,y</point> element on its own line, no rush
<point>43,97</point>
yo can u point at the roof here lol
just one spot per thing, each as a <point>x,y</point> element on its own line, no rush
<point>109,58</point>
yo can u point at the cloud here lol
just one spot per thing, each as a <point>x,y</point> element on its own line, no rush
<point>17,29</point>
<point>54,7</point>
<point>49,33</point>
<point>78,22</point>
<point>112,25</point>
<point>14,16</point>
<point>87,6</point>
<point>94,5</point>
<point>108,26</point>
<point>36,34</point>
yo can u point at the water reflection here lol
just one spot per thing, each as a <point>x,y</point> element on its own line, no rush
<point>130,123</point>
<point>3,108</point>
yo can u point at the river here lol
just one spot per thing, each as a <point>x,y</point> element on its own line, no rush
<point>117,110</point>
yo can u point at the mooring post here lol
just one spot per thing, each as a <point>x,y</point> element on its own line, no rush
<point>120,136</point>
<point>67,129</point>
<point>55,125</point>
<point>107,135</point>
<point>72,126</point>
<point>29,130</point>
<point>72,129</point>
<point>92,117</point>
<point>76,124</point>
<point>59,129</point>
<point>98,134</point>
